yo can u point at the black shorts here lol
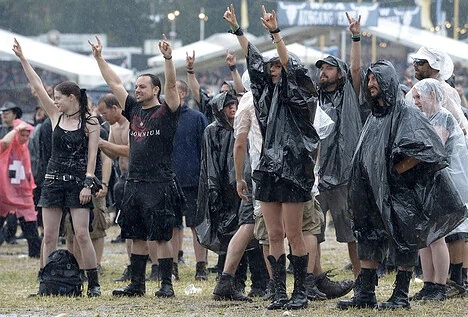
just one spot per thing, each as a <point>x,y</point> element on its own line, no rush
<point>119,190</point>
<point>149,210</point>
<point>190,208</point>
<point>62,194</point>
<point>456,237</point>
<point>271,189</point>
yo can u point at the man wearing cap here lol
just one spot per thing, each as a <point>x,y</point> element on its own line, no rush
<point>339,89</point>
<point>434,63</point>
<point>9,112</point>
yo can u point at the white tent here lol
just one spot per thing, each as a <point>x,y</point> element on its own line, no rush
<point>77,67</point>
<point>415,38</point>
<point>307,55</point>
<point>216,43</point>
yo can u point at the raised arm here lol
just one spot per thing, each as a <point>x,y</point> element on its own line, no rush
<point>231,62</point>
<point>8,138</point>
<point>170,87</point>
<point>355,29</point>
<point>36,84</point>
<point>112,79</point>
<point>192,80</point>
<point>269,22</point>
<point>230,17</point>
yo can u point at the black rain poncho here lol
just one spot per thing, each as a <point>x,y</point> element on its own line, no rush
<point>285,112</point>
<point>414,208</point>
<point>218,203</point>
<point>336,151</point>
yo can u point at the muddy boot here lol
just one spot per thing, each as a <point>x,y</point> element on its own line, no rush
<point>225,289</point>
<point>279,277</point>
<point>426,290</point>
<point>313,292</point>
<point>126,275</point>
<point>137,285</point>
<point>166,290</point>
<point>299,295</point>
<point>331,288</point>
<point>437,292</point>
<point>364,291</point>
<point>399,298</point>
<point>200,271</point>
<point>155,274</point>
<point>94,289</point>
<point>175,270</point>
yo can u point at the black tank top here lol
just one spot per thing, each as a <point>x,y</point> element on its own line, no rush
<point>69,151</point>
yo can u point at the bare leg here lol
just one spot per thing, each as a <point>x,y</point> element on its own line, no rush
<point>200,251</point>
<point>80,218</point>
<point>153,251</point>
<point>292,214</point>
<point>98,245</point>
<point>52,218</point>
<point>353,256</point>
<point>272,214</point>
<point>311,246</point>
<point>237,247</point>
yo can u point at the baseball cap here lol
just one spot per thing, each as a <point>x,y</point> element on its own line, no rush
<point>330,60</point>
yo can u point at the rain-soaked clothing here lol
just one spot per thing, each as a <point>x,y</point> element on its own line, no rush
<point>205,101</point>
<point>152,199</point>
<point>285,112</point>
<point>218,202</point>
<point>412,209</point>
<point>336,151</point>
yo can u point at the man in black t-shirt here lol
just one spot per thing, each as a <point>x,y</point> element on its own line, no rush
<point>152,197</point>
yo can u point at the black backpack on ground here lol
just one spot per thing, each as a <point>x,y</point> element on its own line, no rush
<point>61,275</point>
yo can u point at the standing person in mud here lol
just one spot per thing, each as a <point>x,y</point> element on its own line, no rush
<point>285,105</point>
<point>152,198</point>
<point>70,176</point>
<point>339,89</point>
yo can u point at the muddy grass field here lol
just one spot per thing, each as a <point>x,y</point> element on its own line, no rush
<point>18,280</point>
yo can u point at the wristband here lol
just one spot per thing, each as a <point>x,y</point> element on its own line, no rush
<point>167,58</point>
<point>276,42</point>
<point>88,182</point>
<point>190,72</point>
<point>277,30</point>
<point>232,67</point>
<point>356,38</point>
<point>237,32</point>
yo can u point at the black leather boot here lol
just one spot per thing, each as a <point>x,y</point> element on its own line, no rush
<point>166,290</point>
<point>226,290</point>
<point>155,274</point>
<point>313,293</point>
<point>175,270</point>
<point>200,271</point>
<point>279,277</point>
<point>399,298</point>
<point>137,285</point>
<point>364,291</point>
<point>94,289</point>
<point>299,295</point>
<point>126,275</point>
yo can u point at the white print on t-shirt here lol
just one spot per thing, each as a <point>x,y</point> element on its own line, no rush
<point>18,168</point>
<point>145,133</point>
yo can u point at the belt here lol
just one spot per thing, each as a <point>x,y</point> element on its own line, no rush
<point>63,177</point>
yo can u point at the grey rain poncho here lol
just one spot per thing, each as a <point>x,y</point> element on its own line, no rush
<point>285,112</point>
<point>336,151</point>
<point>414,208</point>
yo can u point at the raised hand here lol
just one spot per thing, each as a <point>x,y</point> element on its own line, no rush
<point>165,48</point>
<point>231,59</point>
<point>189,60</point>
<point>97,48</point>
<point>17,49</point>
<point>269,19</point>
<point>230,16</point>
<point>354,25</point>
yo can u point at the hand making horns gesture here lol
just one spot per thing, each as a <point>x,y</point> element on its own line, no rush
<point>269,19</point>
<point>354,25</point>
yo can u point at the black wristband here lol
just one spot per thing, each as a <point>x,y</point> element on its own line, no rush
<point>88,182</point>
<point>232,67</point>
<point>356,38</point>
<point>190,72</point>
<point>237,32</point>
<point>277,30</point>
<point>167,58</point>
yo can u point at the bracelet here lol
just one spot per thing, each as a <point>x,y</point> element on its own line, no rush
<point>88,182</point>
<point>234,28</point>
<point>277,30</point>
<point>276,42</point>
<point>190,72</point>
<point>167,58</point>
<point>232,67</point>
<point>356,38</point>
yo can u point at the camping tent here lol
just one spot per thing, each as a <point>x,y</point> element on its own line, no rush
<point>77,67</point>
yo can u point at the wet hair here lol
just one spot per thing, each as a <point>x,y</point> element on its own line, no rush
<point>155,82</point>
<point>109,100</point>
<point>68,88</point>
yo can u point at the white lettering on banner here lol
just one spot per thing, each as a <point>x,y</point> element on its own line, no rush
<point>18,168</point>
<point>145,133</point>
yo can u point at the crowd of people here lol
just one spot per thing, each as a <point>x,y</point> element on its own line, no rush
<point>264,159</point>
